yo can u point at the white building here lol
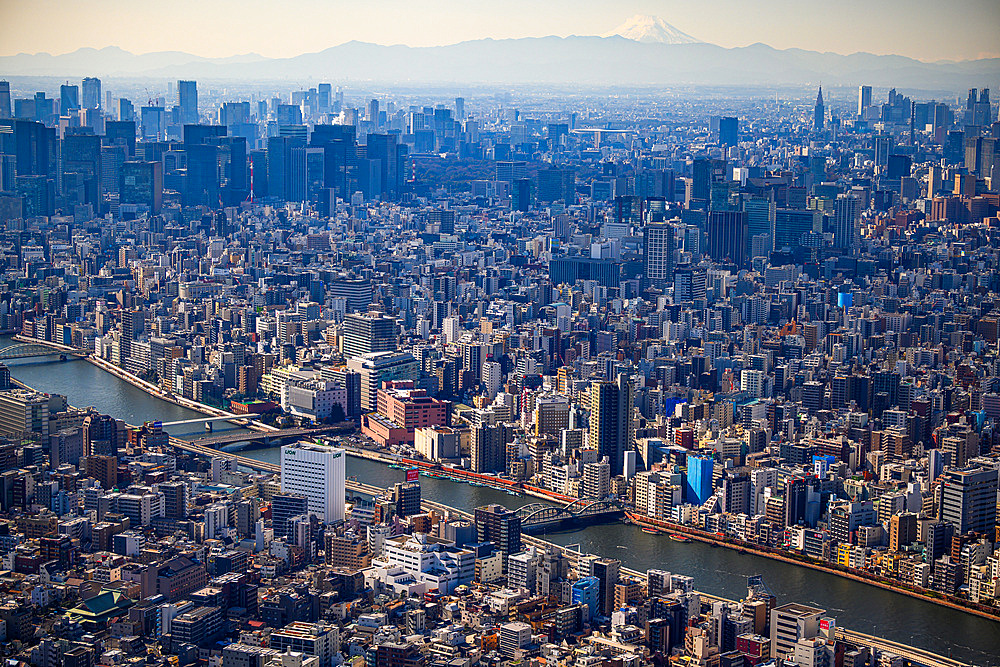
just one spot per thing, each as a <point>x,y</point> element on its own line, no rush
<point>438,442</point>
<point>514,636</point>
<point>753,382</point>
<point>492,377</point>
<point>437,563</point>
<point>314,399</point>
<point>318,473</point>
<point>451,329</point>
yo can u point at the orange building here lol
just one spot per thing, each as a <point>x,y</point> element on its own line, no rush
<point>400,410</point>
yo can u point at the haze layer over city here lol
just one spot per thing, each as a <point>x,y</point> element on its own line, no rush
<point>630,333</point>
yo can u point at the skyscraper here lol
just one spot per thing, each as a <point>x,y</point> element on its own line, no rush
<point>388,158</point>
<point>318,473</point>
<point>729,131</point>
<point>368,332</point>
<point>612,431</point>
<point>142,183</point>
<point>791,224</point>
<point>845,225</point>
<point>864,100</point>
<point>91,93</point>
<point>69,99</point>
<point>284,506</point>
<point>699,479</point>
<point>81,168</point>
<point>760,221</point>
<point>819,112</point>
<point>488,447</point>
<point>969,500</point>
<point>658,255</point>
<point>727,236</point>
<point>4,99</point>
<point>187,100</point>
<point>502,527</point>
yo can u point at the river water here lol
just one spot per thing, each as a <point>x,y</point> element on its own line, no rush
<point>716,570</point>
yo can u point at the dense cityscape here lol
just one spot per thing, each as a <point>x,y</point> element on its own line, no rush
<point>761,320</point>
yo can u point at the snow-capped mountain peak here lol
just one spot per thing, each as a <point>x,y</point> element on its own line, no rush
<point>651,29</point>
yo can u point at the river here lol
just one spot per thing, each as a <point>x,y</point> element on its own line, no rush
<point>716,570</point>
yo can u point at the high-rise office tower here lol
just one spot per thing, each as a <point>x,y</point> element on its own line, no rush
<point>5,99</point>
<point>819,112</point>
<point>154,122</point>
<point>279,174</point>
<point>729,131</point>
<point>791,224</point>
<point>845,222</point>
<point>460,108</point>
<point>175,499</point>
<point>699,479</point>
<point>187,100</point>
<point>689,284</point>
<point>368,332</point>
<point>373,111</point>
<point>502,527</point>
<point>864,100</point>
<point>556,185</point>
<point>120,133</point>
<point>91,93</point>
<point>612,430</point>
<point>488,447</point>
<point>318,473</point>
<point>727,236</point>
<point>81,168</point>
<point>284,506</point>
<point>796,495</point>
<point>658,255</point>
<point>510,171</point>
<point>406,498</point>
<point>69,99</point>
<point>142,183</point>
<point>126,110</point>
<point>969,500</point>
<point>103,435</point>
<point>391,157</point>
<point>760,222</point>
<point>324,94</point>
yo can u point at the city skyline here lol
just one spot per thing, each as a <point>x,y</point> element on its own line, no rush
<point>921,30</point>
<point>399,350</point>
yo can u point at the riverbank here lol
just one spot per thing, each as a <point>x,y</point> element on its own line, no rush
<point>870,578</point>
<point>429,467</point>
<point>460,475</point>
<point>651,559</point>
<point>150,388</point>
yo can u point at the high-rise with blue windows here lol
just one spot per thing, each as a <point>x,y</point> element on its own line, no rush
<point>699,479</point>
<point>586,591</point>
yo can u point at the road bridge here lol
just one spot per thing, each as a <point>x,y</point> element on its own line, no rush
<point>270,437</point>
<point>39,349</point>
<point>539,517</point>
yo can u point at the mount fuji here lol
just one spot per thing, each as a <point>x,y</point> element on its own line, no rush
<point>651,30</point>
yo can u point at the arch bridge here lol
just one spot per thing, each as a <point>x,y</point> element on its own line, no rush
<point>538,516</point>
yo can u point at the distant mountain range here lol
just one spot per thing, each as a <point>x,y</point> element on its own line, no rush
<point>651,53</point>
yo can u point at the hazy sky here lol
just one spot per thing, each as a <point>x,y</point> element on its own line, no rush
<point>924,29</point>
